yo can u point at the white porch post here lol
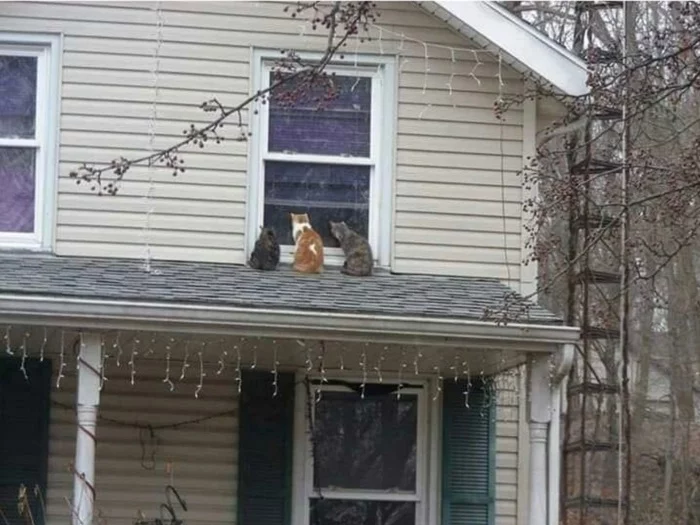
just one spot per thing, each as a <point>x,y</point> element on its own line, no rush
<point>539,419</point>
<point>88,400</point>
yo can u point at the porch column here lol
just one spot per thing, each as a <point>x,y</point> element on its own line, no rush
<point>88,400</point>
<point>539,419</point>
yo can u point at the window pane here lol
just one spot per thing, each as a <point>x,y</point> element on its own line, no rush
<point>341,127</point>
<point>17,190</point>
<point>325,191</point>
<point>366,443</point>
<point>349,512</point>
<point>17,96</point>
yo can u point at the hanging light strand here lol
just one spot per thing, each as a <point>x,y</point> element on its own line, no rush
<point>152,121</point>
<point>23,362</point>
<point>43,346</point>
<point>185,364</point>
<point>132,360</point>
<point>8,342</point>
<point>62,360</point>
<point>168,349</point>
<point>202,373</point>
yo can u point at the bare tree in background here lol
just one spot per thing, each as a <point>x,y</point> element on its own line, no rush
<point>659,82</point>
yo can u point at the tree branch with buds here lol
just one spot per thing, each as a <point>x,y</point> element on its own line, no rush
<point>293,78</point>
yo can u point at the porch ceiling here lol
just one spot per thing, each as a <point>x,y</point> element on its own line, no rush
<point>191,289</point>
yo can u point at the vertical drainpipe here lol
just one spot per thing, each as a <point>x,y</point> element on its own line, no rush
<point>558,391</point>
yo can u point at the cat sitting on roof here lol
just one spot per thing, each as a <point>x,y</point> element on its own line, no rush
<point>358,253</point>
<point>266,254</point>
<point>308,245</point>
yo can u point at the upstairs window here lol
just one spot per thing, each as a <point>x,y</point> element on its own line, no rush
<point>332,160</point>
<point>28,95</point>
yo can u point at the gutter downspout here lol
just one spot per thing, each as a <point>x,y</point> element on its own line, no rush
<point>558,391</point>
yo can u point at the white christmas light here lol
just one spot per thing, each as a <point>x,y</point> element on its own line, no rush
<point>80,352</point>
<point>104,356</point>
<point>22,366</point>
<point>275,364</point>
<point>472,73</point>
<point>185,364</point>
<point>438,383</point>
<point>43,346</point>
<point>239,379</point>
<point>419,354</point>
<point>152,122</point>
<point>167,379</point>
<point>118,348</point>
<point>255,357</point>
<point>321,364</point>
<point>452,73</point>
<point>427,68</point>
<point>378,367</point>
<point>132,360</point>
<point>222,359</point>
<point>402,367</point>
<point>363,367</point>
<point>62,360</point>
<point>151,346</point>
<point>202,374</point>
<point>8,342</point>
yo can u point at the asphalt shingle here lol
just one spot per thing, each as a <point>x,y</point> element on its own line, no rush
<point>233,285</point>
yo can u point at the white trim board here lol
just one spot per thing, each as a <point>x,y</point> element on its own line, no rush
<point>526,49</point>
<point>47,48</point>
<point>425,493</point>
<point>129,315</point>
<point>382,71</point>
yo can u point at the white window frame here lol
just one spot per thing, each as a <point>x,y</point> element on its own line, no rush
<point>427,454</point>
<point>47,50</point>
<point>382,70</point>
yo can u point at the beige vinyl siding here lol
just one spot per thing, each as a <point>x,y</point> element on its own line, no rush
<point>204,455</point>
<point>452,214</point>
<point>507,429</point>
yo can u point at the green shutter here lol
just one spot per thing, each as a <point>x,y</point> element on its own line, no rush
<point>24,434</point>
<point>265,449</point>
<point>469,459</point>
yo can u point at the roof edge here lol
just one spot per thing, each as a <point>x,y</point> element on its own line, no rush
<point>528,48</point>
<point>156,316</point>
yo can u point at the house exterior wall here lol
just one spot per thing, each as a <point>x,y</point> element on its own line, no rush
<point>203,455</point>
<point>457,202</point>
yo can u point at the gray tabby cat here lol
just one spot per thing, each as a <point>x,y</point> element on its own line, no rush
<point>266,254</point>
<point>358,252</point>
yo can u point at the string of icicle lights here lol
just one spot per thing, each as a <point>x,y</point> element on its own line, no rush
<point>186,360</point>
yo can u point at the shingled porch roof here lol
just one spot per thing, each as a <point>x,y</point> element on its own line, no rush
<point>235,285</point>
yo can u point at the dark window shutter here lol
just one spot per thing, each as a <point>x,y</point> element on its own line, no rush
<point>469,459</point>
<point>265,449</point>
<point>24,434</point>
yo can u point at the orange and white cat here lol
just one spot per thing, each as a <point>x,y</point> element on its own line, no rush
<point>308,245</point>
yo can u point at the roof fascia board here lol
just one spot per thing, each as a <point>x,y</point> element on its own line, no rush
<point>489,23</point>
<point>127,315</point>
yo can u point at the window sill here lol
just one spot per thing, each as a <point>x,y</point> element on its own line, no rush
<point>6,246</point>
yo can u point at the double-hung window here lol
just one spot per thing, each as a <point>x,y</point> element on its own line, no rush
<point>332,160</point>
<point>28,120</point>
<point>367,459</point>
